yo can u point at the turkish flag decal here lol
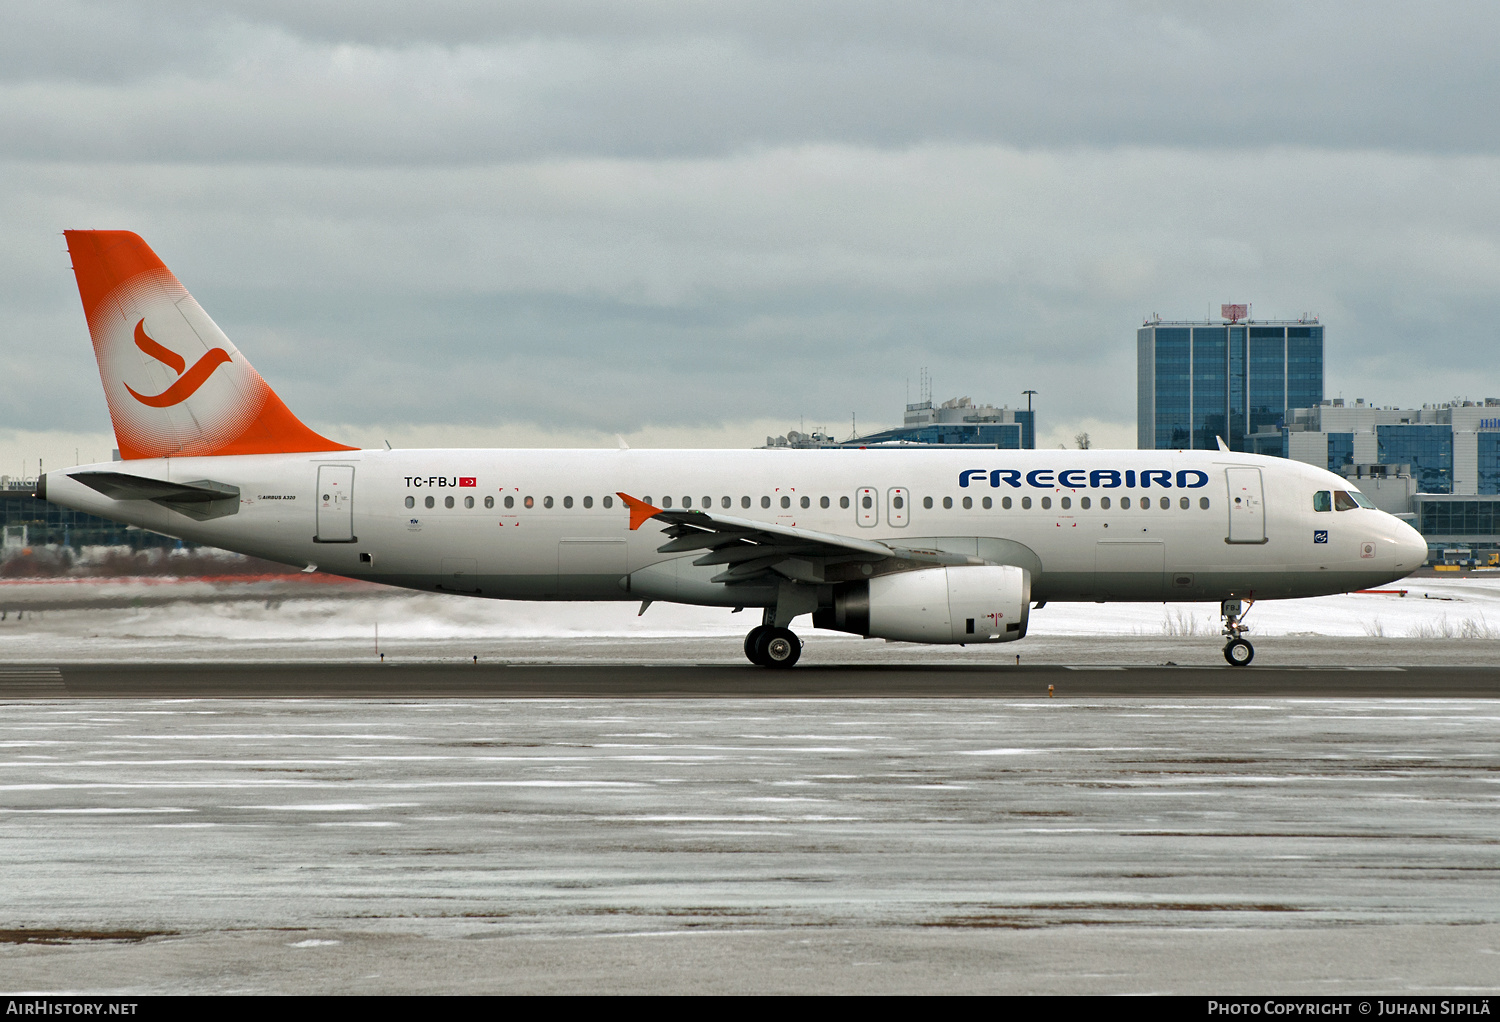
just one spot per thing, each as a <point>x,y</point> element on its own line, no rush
<point>468,481</point>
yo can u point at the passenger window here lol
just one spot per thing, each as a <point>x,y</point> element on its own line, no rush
<point>823,502</point>
<point>1323,501</point>
<point>807,502</point>
<point>489,502</point>
<point>687,501</point>
<point>1203,503</point>
<point>429,502</point>
<point>510,502</point>
<point>546,502</point>
<point>1343,502</point>
<point>968,503</point>
<point>786,501</point>
<point>666,502</point>
<point>1083,502</point>
<point>1025,503</point>
<point>468,502</point>
<point>987,503</point>
<point>1005,503</point>
<point>1166,503</point>
<point>608,502</point>
<point>844,503</point>
<point>727,502</point>
<point>1125,503</point>
<point>1046,503</point>
<point>1067,502</point>
<point>1104,503</point>
<point>947,502</point>
<point>530,502</point>
<point>708,503</point>
<point>765,502</point>
<point>927,502</point>
<point>588,502</point>
<point>868,502</point>
<point>567,502</point>
<point>447,502</point>
<point>744,502</point>
<point>411,501</point>
<point>1184,503</point>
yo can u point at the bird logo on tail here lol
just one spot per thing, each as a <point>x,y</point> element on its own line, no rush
<point>185,386</point>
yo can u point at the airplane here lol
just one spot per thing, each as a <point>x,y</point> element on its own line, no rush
<point>925,546</point>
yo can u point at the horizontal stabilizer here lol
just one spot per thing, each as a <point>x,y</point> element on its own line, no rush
<point>200,499</point>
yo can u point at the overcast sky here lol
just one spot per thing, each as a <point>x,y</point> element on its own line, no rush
<point>693,224</point>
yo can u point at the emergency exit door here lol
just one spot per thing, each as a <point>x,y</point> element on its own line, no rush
<point>1247,506</point>
<point>898,503</point>
<point>335,504</point>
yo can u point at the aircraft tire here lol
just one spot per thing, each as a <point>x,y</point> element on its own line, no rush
<point>750,640</point>
<point>1239,653</point>
<point>778,647</point>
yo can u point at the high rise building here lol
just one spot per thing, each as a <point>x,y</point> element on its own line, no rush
<point>1198,381</point>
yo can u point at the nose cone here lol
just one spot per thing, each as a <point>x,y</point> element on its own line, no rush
<point>1411,548</point>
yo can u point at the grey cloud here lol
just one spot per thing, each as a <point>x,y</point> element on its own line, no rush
<point>613,295</point>
<point>402,83</point>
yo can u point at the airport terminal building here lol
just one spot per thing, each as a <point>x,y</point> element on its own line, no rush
<point>956,422</point>
<point>26,522</point>
<point>1438,465</point>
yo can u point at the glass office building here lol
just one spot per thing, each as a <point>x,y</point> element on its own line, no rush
<point>1196,382</point>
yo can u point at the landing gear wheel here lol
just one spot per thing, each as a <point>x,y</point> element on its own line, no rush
<point>750,640</point>
<point>777,647</point>
<point>1239,653</point>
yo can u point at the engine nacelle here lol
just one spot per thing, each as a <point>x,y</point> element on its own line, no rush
<point>970,603</point>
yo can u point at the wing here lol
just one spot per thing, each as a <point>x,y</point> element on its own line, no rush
<point>753,552</point>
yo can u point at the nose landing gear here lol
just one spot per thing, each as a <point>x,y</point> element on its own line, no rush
<point>1237,650</point>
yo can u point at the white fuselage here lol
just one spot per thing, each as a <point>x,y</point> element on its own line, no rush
<point>1088,525</point>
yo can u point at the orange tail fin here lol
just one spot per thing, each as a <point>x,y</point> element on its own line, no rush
<point>176,386</point>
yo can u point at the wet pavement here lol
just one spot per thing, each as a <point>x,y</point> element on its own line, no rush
<point>1200,844</point>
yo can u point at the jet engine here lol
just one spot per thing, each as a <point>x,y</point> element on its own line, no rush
<point>969,603</point>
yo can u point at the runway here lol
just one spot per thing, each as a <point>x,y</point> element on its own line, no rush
<point>731,844</point>
<point>301,680</point>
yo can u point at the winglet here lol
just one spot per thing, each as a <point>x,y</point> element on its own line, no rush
<point>640,511</point>
<point>1222,445</point>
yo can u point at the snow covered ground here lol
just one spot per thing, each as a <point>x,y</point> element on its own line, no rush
<point>283,609</point>
<point>193,619</point>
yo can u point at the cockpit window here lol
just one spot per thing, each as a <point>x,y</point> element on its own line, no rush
<point>1323,501</point>
<point>1343,502</point>
<point>1361,499</point>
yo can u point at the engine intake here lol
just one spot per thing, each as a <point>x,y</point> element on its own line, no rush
<point>969,603</point>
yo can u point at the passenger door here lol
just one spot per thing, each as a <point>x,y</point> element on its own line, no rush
<point>1247,507</point>
<point>335,518</point>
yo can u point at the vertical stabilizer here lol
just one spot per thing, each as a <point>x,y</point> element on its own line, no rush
<point>176,386</point>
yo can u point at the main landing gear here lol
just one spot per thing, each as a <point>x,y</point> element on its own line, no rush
<point>769,646</point>
<point>1237,650</point>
